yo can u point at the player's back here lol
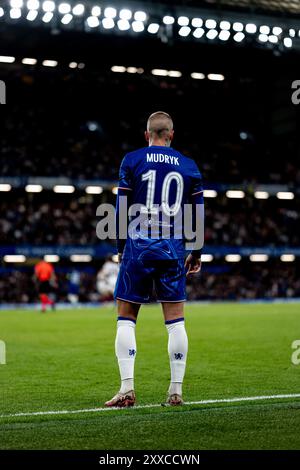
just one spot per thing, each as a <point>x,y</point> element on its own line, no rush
<point>44,271</point>
<point>161,180</point>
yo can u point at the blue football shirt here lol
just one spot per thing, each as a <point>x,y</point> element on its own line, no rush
<point>158,182</point>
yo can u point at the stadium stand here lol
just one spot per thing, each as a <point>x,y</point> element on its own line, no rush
<point>71,124</point>
<point>50,219</point>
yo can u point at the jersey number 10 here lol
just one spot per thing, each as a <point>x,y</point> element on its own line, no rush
<point>150,176</point>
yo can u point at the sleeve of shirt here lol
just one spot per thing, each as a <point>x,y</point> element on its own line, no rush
<point>125,174</point>
<point>197,184</point>
<point>123,197</point>
<point>197,201</point>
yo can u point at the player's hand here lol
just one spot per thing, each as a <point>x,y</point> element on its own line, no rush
<point>192,264</point>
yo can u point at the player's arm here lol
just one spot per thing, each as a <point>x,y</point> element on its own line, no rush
<point>193,261</point>
<point>124,197</point>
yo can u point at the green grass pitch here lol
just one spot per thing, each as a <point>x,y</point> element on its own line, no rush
<point>65,360</point>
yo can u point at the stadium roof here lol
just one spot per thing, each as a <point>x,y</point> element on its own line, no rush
<point>285,7</point>
<point>211,34</point>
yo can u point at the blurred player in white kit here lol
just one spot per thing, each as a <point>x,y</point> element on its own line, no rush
<point>107,278</point>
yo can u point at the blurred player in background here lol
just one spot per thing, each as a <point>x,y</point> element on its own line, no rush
<point>45,275</point>
<point>73,286</point>
<point>162,182</point>
<point>107,278</point>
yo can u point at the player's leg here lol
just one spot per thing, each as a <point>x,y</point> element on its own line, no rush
<point>125,344</point>
<point>170,287</point>
<point>133,288</point>
<point>45,290</point>
<point>43,295</point>
<point>50,301</point>
<point>43,300</point>
<point>177,348</point>
<point>51,295</point>
<point>125,348</point>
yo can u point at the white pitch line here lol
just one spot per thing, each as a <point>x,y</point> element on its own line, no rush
<point>139,407</point>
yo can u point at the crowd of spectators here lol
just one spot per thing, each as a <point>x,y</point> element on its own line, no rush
<point>252,222</point>
<point>247,281</point>
<point>80,126</point>
<point>20,286</point>
<point>55,219</point>
<point>39,220</point>
<point>244,280</point>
